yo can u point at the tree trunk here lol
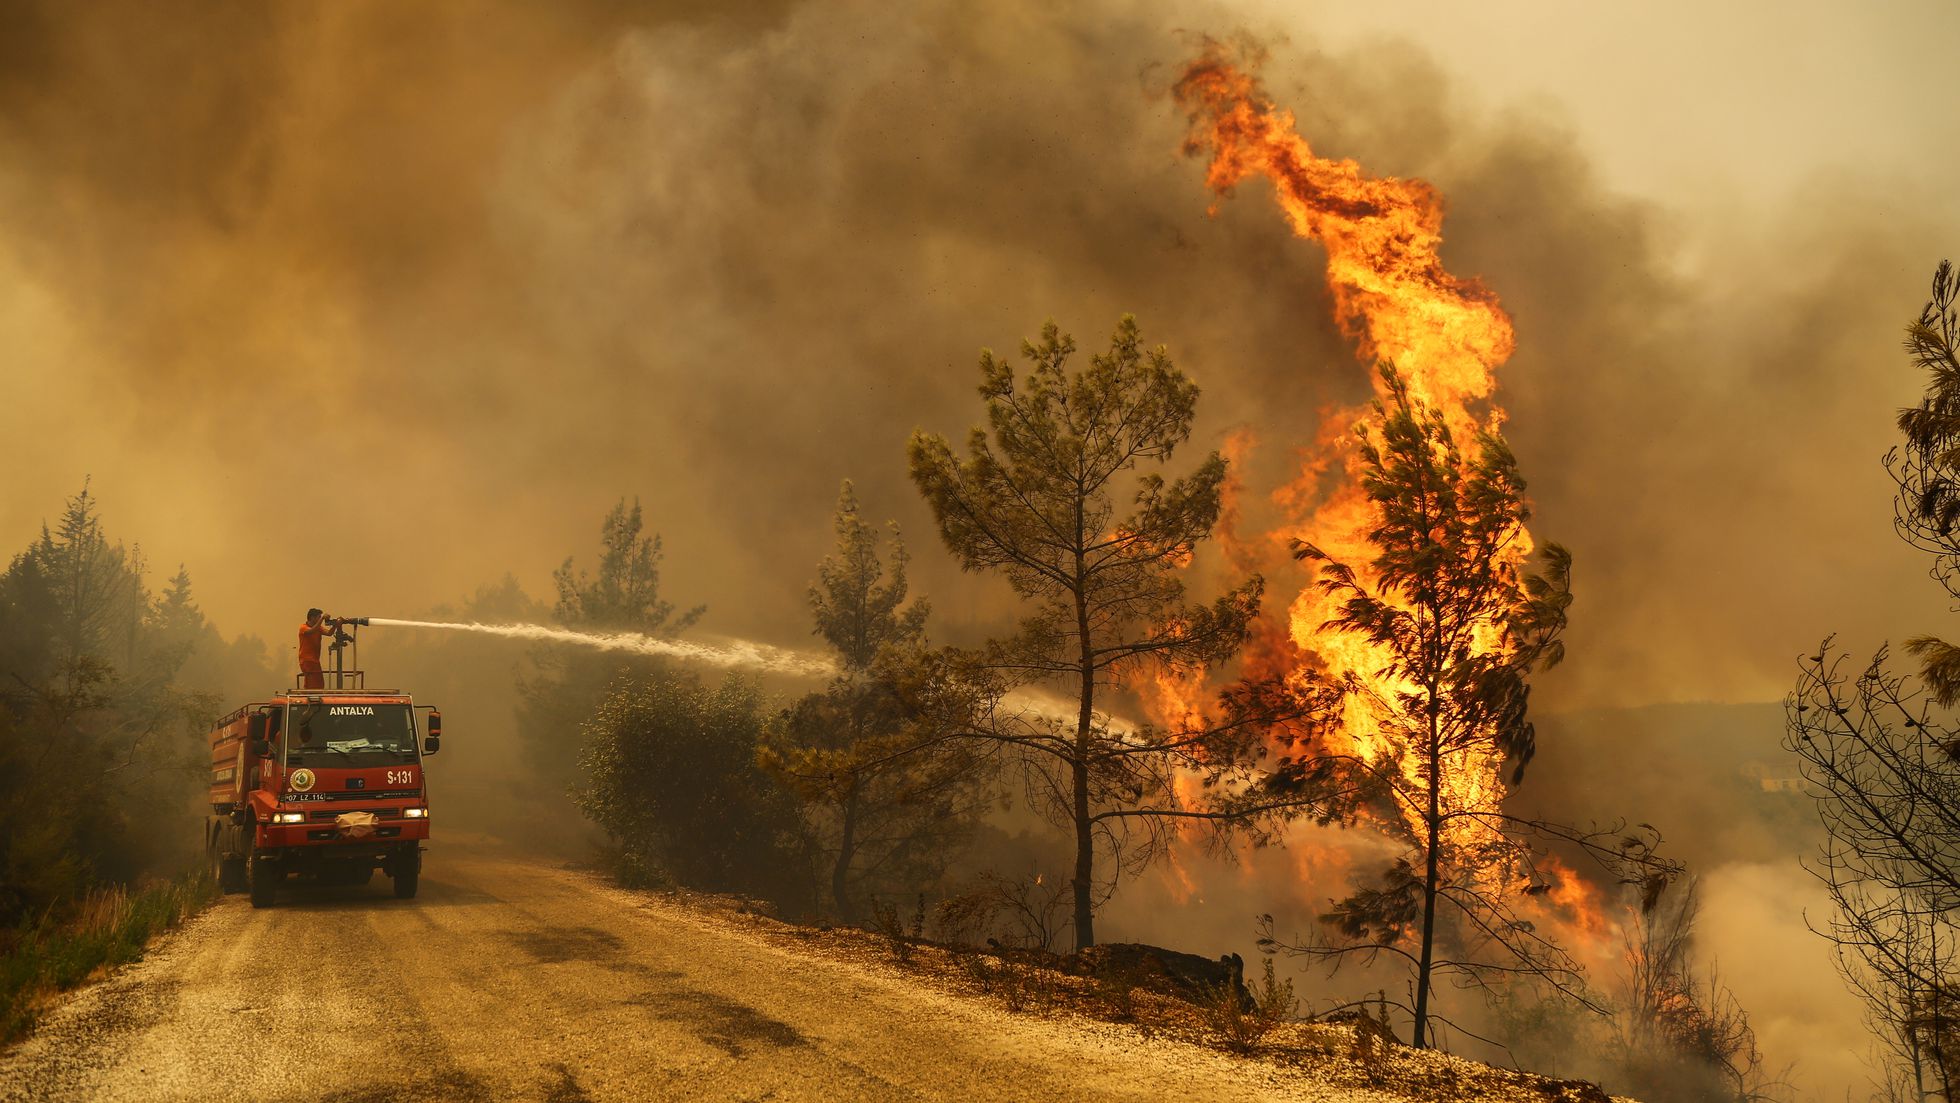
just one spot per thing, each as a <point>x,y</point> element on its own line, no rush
<point>1085,859</point>
<point>1433,822</point>
<point>1085,829</point>
<point>840,874</point>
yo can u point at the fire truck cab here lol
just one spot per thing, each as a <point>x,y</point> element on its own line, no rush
<point>322,784</point>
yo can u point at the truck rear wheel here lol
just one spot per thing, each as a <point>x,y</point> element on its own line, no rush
<point>227,873</point>
<point>262,877</point>
<point>231,875</point>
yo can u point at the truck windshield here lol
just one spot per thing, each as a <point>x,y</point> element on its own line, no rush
<point>350,735</point>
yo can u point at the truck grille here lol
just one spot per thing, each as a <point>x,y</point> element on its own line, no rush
<point>379,833</point>
<point>379,813</point>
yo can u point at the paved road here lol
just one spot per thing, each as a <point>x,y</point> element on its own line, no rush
<point>512,979</point>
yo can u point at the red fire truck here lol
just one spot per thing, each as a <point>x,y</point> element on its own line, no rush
<point>321,784</point>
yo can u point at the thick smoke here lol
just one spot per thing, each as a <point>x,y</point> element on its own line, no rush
<point>363,305</point>
<point>469,276</point>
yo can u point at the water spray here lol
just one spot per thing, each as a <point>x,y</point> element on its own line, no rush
<point>735,653</point>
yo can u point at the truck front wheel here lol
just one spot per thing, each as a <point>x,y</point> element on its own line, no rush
<point>262,878</point>
<point>406,872</point>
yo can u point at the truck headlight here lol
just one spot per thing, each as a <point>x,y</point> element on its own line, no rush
<point>289,817</point>
<point>416,813</point>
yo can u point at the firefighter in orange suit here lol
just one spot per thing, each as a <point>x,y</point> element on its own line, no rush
<point>309,648</point>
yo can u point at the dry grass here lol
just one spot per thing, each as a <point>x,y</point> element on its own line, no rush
<point>1353,1052</point>
<point>1241,1024</point>
<point>899,940</point>
<point>108,927</point>
<point>1340,1054</point>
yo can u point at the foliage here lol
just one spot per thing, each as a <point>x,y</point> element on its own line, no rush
<point>1036,907</point>
<point>670,775</point>
<point>963,918</point>
<point>858,601</point>
<point>1926,508</point>
<point>1445,577</point>
<point>100,743</point>
<point>1038,501</point>
<point>623,596</point>
<point>1020,984</point>
<point>890,796</point>
<point>1461,627</point>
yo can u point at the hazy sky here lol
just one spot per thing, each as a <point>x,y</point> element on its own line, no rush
<point>1730,103</point>
<point>363,305</point>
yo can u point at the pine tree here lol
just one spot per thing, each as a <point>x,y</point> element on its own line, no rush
<point>893,793</point>
<point>1039,500</point>
<point>624,595</point>
<point>1460,628</point>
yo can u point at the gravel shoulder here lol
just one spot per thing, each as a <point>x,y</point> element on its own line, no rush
<point>511,979</point>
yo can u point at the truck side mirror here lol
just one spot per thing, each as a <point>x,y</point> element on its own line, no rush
<point>255,726</point>
<point>261,748</point>
<point>434,742</point>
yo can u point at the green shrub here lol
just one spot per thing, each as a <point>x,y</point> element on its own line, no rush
<point>671,775</point>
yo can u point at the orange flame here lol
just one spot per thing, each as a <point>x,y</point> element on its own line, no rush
<point>1446,336</point>
<point>1391,292</point>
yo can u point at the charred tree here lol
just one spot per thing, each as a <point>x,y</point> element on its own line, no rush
<point>1039,500</point>
<point>1884,767</point>
<point>1887,785</point>
<point>1677,1031</point>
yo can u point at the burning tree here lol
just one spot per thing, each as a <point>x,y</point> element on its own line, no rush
<point>1415,646</point>
<point>1037,499</point>
<point>1458,627</point>
<point>873,752</point>
<point>1886,772</point>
